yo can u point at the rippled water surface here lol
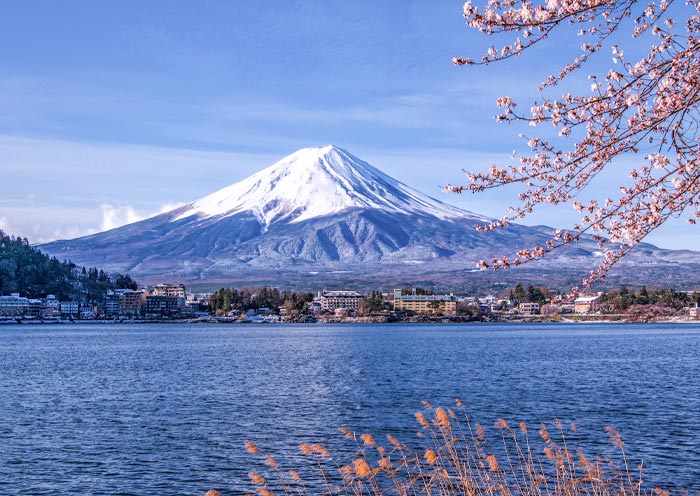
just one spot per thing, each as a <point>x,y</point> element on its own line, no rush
<point>165,409</point>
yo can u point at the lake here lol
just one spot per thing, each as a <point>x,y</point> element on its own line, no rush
<point>165,409</point>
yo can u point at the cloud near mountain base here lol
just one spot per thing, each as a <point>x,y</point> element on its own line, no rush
<point>117,216</point>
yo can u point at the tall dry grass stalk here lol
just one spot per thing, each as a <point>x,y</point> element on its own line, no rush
<point>456,458</point>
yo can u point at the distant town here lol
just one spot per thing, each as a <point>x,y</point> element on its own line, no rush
<point>37,288</point>
<point>172,302</point>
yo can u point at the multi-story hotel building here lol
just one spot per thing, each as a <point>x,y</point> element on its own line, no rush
<point>332,300</point>
<point>432,304</point>
<point>125,302</point>
<point>177,290</point>
<point>13,305</point>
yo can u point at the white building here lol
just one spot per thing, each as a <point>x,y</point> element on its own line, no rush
<point>70,308</point>
<point>529,308</point>
<point>52,306</point>
<point>13,305</point>
<point>331,300</point>
<point>177,290</point>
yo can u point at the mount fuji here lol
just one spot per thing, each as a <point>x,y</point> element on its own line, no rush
<point>322,214</point>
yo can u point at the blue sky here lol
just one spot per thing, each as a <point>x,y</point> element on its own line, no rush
<point>113,111</point>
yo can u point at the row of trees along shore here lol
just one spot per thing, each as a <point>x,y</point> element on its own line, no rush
<point>24,269</point>
<point>256,297</point>
<point>231,299</point>
<point>613,301</point>
<point>619,301</point>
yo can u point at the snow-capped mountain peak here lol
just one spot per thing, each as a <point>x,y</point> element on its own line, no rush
<point>357,221</point>
<point>315,182</point>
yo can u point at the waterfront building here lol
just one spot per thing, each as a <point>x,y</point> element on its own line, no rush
<point>587,304</point>
<point>14,305</point>
<point>485,309</point>
<point>112,303</point>
<point>52,307</point>
<point>332,300</point>
<point>36,308</point>
<point>177,290</point>
<point>132,302</point>
<point>430,304</point>
<point>529,308</point>
<point>125,302</point>
<point>314,306</point>
<point>70,308</point>
<point>158,305</point>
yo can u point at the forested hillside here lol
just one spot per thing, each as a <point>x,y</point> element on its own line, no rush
<point>26,270</point>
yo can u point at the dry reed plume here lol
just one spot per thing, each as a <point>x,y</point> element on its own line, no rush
<point>456,458</point>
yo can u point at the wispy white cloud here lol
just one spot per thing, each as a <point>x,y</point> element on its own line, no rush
<point>45,223</point>
<point>42,231</point>
<point>54,189</point>
<point>117,216</point>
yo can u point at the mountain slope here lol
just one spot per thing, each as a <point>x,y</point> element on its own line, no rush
<point>319,210</point>
<point>315,182</point>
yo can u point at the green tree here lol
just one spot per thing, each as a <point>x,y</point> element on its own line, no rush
<point>519,295</point>
<point>643,297</point>
<point>372,303</point>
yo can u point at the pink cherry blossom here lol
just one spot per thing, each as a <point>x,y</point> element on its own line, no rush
<point>647,108</point>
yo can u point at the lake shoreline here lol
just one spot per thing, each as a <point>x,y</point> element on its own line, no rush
<point>573,319</point>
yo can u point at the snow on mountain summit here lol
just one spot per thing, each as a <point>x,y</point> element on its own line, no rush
<point>358,225</point>
<point>315,182</point>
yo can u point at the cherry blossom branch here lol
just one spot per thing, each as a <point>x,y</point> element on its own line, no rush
<point>652,103</point>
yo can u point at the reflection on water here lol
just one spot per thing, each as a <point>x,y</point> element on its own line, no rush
<point>166,409</point>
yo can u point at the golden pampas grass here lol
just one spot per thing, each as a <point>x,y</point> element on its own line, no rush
<point>395,442</point>
<point>368,440</point>
<point>256,478</point>
<point>346,471</point>
<point>385,464</point>
<point>456,457</point>
<point>615,436</point>
<point>319,450</point>
<point>361,468</point>
<point>501,423</point>
<point>271,462</point>
<point>442,420</point>
<point>422,420</point>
